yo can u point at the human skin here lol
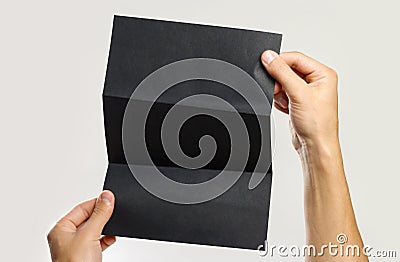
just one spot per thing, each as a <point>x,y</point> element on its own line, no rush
<point>306,90</point>
<point>77,236</point>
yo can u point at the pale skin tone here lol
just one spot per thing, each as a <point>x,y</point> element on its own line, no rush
<point>306,90</point>
<point>77,236</point>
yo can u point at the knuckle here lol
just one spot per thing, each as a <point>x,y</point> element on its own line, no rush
<point>297,53</point>
<point>101,210</point>
<point>53,238</point>
<point>53,233</point>
<point>50,236</point>
<point>297,56</point>
<point>332,73</point>
<point>84,212</point>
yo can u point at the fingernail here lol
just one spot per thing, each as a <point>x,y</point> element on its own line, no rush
<point>268,56</point>
<point>282,102</point>
<point>106,197</point>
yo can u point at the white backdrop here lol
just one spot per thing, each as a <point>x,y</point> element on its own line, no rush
<point>53,58</point>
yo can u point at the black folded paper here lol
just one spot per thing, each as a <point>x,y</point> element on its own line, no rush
<point>139,47</point>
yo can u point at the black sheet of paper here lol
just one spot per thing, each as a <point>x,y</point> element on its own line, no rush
<point>238,217</point>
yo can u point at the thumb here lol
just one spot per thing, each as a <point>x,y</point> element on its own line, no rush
<point>102,212</point>
<point>283,74</point>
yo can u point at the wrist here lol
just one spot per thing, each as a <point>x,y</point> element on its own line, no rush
<point>322,146</point>
<point>321,158</point>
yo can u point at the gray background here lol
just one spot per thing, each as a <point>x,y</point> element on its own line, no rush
<point>53,58</point>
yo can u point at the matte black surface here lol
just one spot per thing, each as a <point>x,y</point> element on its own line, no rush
<point>238,218</point>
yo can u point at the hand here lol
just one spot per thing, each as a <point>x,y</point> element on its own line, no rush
<point>77,236</point>
<point>307,91</point>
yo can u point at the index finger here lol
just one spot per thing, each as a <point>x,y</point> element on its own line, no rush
<point>311,69</point>
<point>79,214</point>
